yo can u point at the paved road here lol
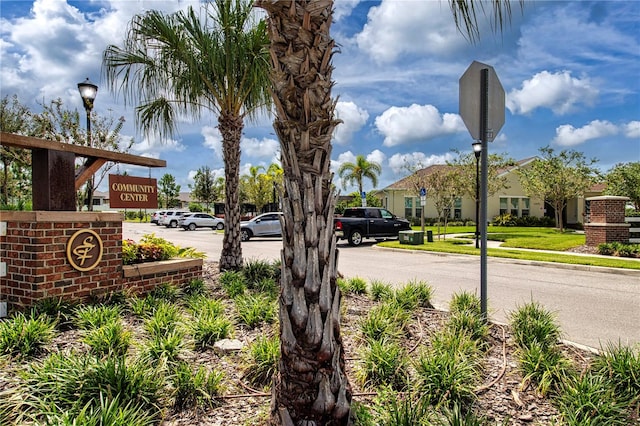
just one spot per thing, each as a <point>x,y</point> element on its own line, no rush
<point>592,306</point>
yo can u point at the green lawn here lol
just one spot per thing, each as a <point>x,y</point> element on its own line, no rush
<point>530,238</point>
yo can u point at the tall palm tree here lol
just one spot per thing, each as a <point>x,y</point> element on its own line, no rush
<point>182,64</point>
<point>311,386</point>
<point>351,173</point>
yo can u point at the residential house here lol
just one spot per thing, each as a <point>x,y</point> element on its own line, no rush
<point>402,199</point>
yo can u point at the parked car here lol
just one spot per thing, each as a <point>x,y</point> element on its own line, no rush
<point>193,221</point>
<point>170,218</point>
<point>358,223</point>
<point>264,225</point>
<point>155,217</point>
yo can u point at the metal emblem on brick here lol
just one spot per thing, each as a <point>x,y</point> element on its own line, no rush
<point>84,250</point>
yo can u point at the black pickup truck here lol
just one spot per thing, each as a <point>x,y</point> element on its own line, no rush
<point>358,223</point>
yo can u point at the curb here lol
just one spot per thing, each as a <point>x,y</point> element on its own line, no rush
<point>572,267</point>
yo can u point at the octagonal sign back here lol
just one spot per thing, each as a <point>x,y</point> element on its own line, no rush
<point>470,100</point>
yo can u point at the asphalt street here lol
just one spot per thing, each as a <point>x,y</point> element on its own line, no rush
<point>593,306</point>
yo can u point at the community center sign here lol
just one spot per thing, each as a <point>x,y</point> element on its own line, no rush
<point>129,192</point>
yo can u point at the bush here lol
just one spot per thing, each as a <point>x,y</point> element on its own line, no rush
<point>254,310</point>
<point>233,283</point>
<point>25,336</point>
<point>195,388</point>
<point>262,360</point>
<point>383,363</point>
<point>619,249</point>
<point>152,249</point>
<point>533,324</point>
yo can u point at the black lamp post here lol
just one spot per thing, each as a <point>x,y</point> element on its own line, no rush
<point>88,92</point>
<point>477,150</point>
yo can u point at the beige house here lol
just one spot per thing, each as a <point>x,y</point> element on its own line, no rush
<point>402,200</point>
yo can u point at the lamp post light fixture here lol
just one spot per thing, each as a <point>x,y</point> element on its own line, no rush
<point>88,92</point>
<point>477,150</point>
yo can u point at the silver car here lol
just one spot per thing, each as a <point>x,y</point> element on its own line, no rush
<point>193,221</point>
<point>170,218</point>
<point>264,225</point>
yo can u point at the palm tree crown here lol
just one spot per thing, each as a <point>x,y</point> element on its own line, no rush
<point>183,63</point>
<point>351,173</point>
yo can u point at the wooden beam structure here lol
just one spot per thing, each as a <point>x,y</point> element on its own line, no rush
<point>55,179</point>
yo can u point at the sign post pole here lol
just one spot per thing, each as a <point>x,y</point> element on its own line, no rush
<point>482,105</point>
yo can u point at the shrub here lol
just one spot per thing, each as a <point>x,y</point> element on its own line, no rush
<point>383,363</point>
<point>164,319</point>
<point>531,324</point>
<point>262,357</point>
<point>233,283</point>
<point>465,301</point>
<point>445,376</point>
<point>112,411</point>
<point>207,329</point>
<point>588,400</point>
<point>195,388</point>
<point>544,366</point>
<point>57,310</point>
<point>387,321</point>
<point>152,248</point>
<point>354,285</point>
<point>110,338</point>
<point>468,322</point>
<point>620,365</point>
<point>95,316</point>
<point>195,287</point>
<point>413,294</point>
<point>25,336</point>
<point>381,290</point>
<point>619,249</point>
<point>165,291</point>
<point>254,310</point>
<point>256,270</point>
<point>505,219</point>
<point>202,305</point>
<point>166,348</point>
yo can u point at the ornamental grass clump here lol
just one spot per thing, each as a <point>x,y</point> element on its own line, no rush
<point>414,294</point>
<point>57,310</point>
<point>531,323</point>
<point>111,338</point>
<point>620,366</point>
<point>381,291</point>
<point>233,283</point>
<point>544,367</point>
<point>165,318</point>
<point>387,321</point>
<point>255,270</point>
<point>89,317</point>
<point>207,328</point>
<point>163,349</point>
<point>195,388</point>
<point>383,362</point>
<point>255,309</point>
<point>25,336</point>
<point>262,357</point>
<point>465,301</point>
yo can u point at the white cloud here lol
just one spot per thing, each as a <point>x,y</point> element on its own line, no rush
<point>260,148</point>
<point>567,135</point>
<point>212,139</point>
<point>559,92</point>
<point>343,8</point>
<point>632,129</point>
<point>401,125</point>
<point>153,145</point>
<point>399,27</point>
<point>353,119</point>
<point>403,163</point>
<point>377,156</point>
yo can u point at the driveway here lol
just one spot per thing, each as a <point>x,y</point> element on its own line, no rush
<point>592,305</point>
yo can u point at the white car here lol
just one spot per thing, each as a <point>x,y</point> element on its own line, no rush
<point>192,221</point>
<point>170,218</point>
<point>155,217</point>
<point>264,225</point>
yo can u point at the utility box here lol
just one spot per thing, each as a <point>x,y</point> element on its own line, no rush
<point>411,237</point>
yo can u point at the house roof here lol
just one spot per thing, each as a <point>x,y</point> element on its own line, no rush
<point>406,183</point>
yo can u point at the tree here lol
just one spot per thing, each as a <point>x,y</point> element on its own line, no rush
<point>169,189</point>
<point>624,180</point>
<point>557,178</point>
<point>15,118</point>
<point>181,64</point>
<point>257,187</point>
<point>203,188</point>
<point>275,174</point>
<point>63,125</point>
<point>351,173</point>
<point>442,189</point>
<point>311,386</point>
<point>465,163</point>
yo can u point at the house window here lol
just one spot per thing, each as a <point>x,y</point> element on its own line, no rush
<point>515,204</point>
<point>504,202</point>
<point>525,207</point>
<point>408,207</point>
<point>457,209</point>
<point>418,210</point>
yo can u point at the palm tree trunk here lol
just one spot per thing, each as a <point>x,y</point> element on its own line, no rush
<point>311,387</point>
<point>230,127</point>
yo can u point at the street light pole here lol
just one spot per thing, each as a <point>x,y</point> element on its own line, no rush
<point>477,150</point>
<point>88,92</point>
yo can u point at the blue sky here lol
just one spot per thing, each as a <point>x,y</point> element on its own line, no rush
<point>570,70</point>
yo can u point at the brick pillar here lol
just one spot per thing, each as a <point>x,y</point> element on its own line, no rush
<point>606,220</point>
<point>34,250</point>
